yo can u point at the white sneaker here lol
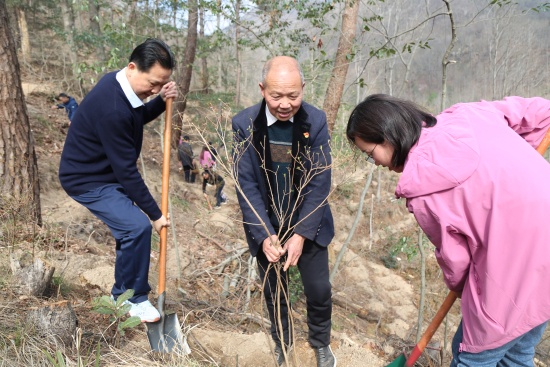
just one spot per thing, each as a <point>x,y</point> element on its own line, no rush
<point>144,310</point>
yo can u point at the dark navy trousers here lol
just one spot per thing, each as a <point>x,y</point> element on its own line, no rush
<point>313,267</point>
<point>131,229</point>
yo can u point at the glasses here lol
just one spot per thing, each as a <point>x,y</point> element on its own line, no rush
<point>369,155</point>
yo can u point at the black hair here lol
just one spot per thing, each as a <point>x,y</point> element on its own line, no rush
<point>150,52</point>
<point>381,118</point>
<point>186,137</point>
<point>62,95</point>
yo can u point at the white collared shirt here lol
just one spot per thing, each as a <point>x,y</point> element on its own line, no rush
<point>127,89</point>
<point>272,119</point>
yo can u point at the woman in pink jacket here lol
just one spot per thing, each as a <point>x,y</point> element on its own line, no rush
<point>205,159</point>
<point>481,193</point>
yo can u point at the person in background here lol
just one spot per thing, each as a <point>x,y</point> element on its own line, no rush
<point>68,103</point>
<point>185,156</point>
<point>213,151</point>
<point>212,178</point>
<point>480,192</point>
<point>206,160</point>
<point>98,165</point>
<point>282,163</point>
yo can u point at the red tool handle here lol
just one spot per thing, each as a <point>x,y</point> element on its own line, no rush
<point>544,143</point>
<point>432,328</point>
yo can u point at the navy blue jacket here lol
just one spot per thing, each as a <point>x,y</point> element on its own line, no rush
<point>104,142</point>
<point>70,107</point>
<point>310,142</point>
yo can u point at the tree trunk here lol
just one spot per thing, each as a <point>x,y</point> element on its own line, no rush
<point>218,24</point>
<point>445,62</point>
<point>31,279</point>
<point>57,320</point>
<point>69,26</point>
<point>187,71</point>
<point>204,63</point>
<point>18,167</point>
<point>237,54</point>
<point>338,78</point>
<point>93,12</point>
<point>24,34</point>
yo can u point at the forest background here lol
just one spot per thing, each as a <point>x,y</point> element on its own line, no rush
<point>435,52</point>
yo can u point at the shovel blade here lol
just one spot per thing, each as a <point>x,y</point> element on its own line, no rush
<point>399,362</point>
<point>165,336</point>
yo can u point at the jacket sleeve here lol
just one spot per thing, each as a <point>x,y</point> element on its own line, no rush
<point>529,117</point>
<point>249,194</point>
<point>316,181</point>
<point>154,108</point>
<point>451,248</point>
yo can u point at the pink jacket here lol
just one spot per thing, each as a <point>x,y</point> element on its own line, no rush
<point>207,161</point>
<point>482,196</point>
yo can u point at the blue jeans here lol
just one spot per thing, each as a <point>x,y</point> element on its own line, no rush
<point>219,189</point>
<point>131,229</point>
<point>516,353</point>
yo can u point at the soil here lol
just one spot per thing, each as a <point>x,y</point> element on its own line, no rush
<point>373,321</point>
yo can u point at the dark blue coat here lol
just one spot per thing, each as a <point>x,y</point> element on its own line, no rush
<point>70,107</point>
<point>310,142</point>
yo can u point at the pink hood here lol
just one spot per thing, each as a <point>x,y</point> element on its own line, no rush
<point>481,194</point>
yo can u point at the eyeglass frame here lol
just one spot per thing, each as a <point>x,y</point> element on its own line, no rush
<point>369,155</point>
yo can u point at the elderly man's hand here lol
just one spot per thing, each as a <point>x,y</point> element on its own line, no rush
<point>272,249</point>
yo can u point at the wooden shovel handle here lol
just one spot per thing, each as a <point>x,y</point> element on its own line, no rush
<point>544,143</point>
<point>430,331</point>
<point>164,197</point>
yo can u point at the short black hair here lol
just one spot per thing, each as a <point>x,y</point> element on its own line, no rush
<point>150,52</point>
<point>186,137</point>
<point>62,95</point>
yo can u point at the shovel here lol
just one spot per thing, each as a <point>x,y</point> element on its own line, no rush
<point>402,360</point>
<point>165,335</point>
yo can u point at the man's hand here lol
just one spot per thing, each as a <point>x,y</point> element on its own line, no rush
<point>169,90</point>
<point>293,247</point>
<point>272,248</point>
<point>161,222</point>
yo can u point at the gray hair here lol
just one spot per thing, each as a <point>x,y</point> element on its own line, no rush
<point>267,68</point>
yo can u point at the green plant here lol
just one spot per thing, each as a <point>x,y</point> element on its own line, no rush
<point>406,246</point>
<point>60,285</point>
<point>180,202</point>
<point>58,360</point>
<point>117,310</point>
<point>389,261</point>
<point>345,189</point>
<point>295,285</point>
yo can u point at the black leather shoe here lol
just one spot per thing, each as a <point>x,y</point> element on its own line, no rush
<point>279,355</point>
<point>325,357</point>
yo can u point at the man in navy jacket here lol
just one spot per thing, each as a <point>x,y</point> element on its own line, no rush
<point>282,164</point>
<point>99,163</point>
<point>68,103</point>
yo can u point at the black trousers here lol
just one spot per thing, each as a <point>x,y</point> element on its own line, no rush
<point>313,267</point>
<point>188,175</point>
